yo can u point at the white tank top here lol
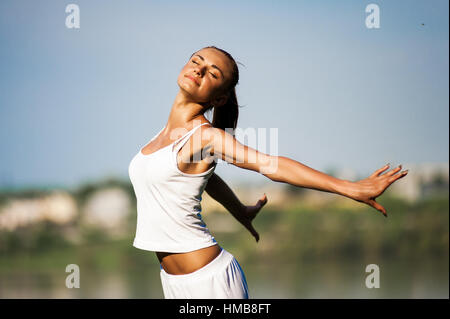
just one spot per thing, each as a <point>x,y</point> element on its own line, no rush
<point>168,201</point>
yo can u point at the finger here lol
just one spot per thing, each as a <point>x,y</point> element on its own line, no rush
<point>262,201</point>
<point>253,232</point>
<point>394,171</point>
<point>381,170</point>
<point>378,207</point>
<point>398,176</point>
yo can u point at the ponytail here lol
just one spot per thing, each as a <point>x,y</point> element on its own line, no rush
<point>226,116</point>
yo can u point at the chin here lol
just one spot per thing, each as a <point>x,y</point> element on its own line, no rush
<point>185,87</point>
<point>187,90</point>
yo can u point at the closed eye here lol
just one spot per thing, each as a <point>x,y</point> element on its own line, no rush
<point>214,76</point>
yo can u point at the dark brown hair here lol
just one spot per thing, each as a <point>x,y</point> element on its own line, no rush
<point>226,116</point>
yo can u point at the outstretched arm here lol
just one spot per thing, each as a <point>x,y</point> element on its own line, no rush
<point>219,191</point>
<point>282,169</point>
<point>364,191</point>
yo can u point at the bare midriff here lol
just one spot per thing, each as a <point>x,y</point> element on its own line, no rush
<point>185,263</point>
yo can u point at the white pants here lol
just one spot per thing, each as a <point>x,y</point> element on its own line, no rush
<point>222,278</point>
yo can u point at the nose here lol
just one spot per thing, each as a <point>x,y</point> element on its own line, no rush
<point>199,70</point>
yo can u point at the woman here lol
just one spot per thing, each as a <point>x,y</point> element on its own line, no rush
<point>168,183</point>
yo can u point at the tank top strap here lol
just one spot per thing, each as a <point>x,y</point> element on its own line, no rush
<point>182,140</point>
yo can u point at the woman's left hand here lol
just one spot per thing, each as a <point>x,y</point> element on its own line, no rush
<point>250,213</point>
<point>368,189</point>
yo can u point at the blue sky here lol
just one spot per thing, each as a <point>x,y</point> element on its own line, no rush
<point>77,104</point>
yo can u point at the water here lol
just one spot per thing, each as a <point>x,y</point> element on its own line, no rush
<point>302,254</point>
<point>318,279</point>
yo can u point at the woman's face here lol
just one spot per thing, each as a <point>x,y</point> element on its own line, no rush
<point>205,74</point>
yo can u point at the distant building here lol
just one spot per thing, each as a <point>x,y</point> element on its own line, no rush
<point>107,209</point>
<point>58,207</point>
<point>422,180</point>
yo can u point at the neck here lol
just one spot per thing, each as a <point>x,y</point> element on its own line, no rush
<point>184,110</point>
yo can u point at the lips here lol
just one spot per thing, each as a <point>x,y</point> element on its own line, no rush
<point>193,79</point>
